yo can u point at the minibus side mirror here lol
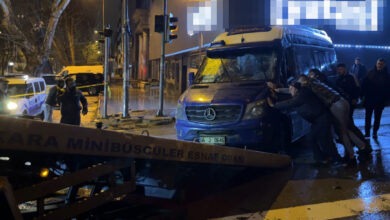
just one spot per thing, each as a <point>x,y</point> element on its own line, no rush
<point>191,77</point>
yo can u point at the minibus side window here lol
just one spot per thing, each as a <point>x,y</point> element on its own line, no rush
<point>30,90</point>
<point>304,59</point>
<point>42,85</point>
<point>290,63</point>
<point>36,86</point>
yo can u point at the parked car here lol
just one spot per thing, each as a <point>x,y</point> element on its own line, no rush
<point>225,105</point>
<point>88,78</point>
<point>26,96</point>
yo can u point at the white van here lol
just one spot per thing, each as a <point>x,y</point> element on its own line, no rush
<point>26,96</point>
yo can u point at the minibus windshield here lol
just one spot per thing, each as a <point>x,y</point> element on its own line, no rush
<point>16,89</point>
<point>251,65</point>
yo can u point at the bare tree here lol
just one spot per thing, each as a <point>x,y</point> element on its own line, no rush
<point>35,23</point>
<point>75,38</point>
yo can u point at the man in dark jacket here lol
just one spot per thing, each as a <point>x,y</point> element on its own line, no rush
<point>309,107</point>
<point>3,95</point>
<point>339,108</point>
<point>375,92</point>
<point>358,70</point>
<point>70,103</point>
<point>51,100</point>
<point>348,87</point>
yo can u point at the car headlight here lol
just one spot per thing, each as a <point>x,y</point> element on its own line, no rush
<point>180,112</point>
<point>12,105</point>
<point>255,110</point>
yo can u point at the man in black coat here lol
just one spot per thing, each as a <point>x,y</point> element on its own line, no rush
<point>309,107</point>
<point>358,70</point>
<point>375,92</point>
<point>70,103</point>
<point>348,87</point>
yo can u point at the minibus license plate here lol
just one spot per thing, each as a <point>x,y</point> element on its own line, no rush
<point>219,140</point>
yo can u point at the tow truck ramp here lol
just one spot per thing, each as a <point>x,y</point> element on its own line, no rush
<point>112,152</point>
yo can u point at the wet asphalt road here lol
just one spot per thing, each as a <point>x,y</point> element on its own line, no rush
<point>312,192</point>
<point>303,191</point>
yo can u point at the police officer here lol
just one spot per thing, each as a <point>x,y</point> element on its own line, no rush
<point>70,103</point>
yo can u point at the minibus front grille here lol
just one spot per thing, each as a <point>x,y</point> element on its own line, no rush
<point>223,113</point>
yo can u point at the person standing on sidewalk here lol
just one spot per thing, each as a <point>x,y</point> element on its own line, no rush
<point>358,70</point>
<point>70,103</point>
<point>51,100</point>
<point>375,92</point>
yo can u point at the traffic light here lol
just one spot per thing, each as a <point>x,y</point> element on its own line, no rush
<point>171,28</point>
<point>159,23</point>
<point>107,32</point>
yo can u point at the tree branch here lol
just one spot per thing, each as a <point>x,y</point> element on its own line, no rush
<point>52,25</point>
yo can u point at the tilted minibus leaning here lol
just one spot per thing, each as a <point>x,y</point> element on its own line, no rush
<point>226,103</point>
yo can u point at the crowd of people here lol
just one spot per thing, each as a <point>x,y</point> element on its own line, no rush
<point>65,94</point>
<point>329,107</point>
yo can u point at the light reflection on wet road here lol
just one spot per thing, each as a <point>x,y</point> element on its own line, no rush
<point>350,192</point>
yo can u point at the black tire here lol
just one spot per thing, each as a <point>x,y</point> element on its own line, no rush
<point>92,91</point>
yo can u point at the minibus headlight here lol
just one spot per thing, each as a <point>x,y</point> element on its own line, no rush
<point>180,112</point>
<point>12,105</point>
<point>255,110</point>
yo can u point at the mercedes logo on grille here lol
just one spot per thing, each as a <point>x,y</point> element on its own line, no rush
<point>210,114</point>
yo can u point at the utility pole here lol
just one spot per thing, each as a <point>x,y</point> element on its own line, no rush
<point>125,51</point>
<point>107,37</point>
<point>160,112</point>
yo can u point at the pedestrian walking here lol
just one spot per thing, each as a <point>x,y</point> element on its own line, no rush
<point>375,92</point>
<point>339,108</point>
<point>51,100</point>
<point>358,70</point>
<point>70,101</point>
<point>348,87</point>
<point>3,95</point>
<point>309,107</point>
